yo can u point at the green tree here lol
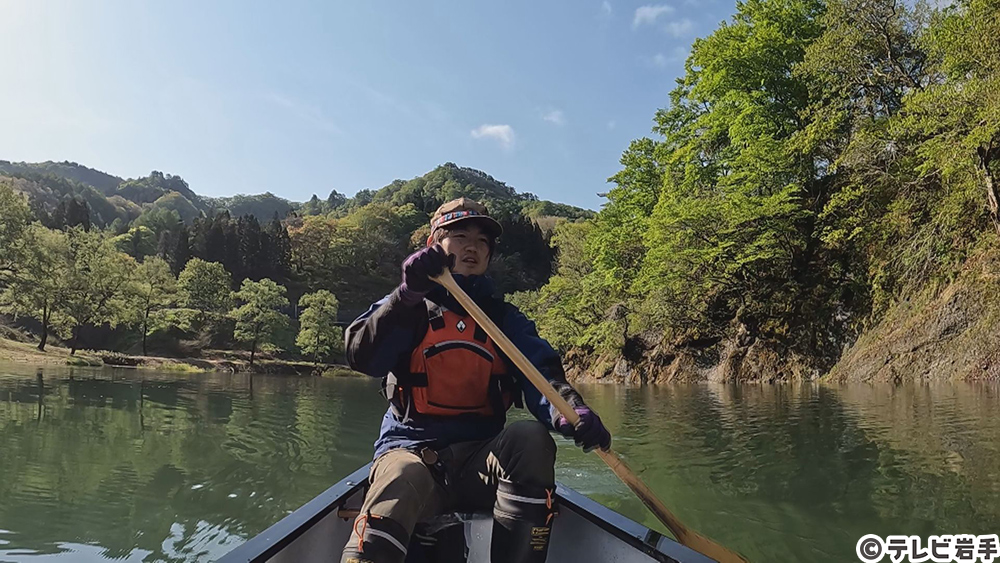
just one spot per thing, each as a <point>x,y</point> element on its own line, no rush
<point>312,207</point>
<point>41,284</point>
<point>205,287</point>
<point>959,113</point>
<point>320,251</point>
<point>15,216</point>
<point>138,242</point>
<point>257,318</point>
<point>98,279</point>
<point>732,221</point>
<point>335,200</point>
<point>159,220</point>
<point>860,71</point>
<point>153,292</point>
<point>319,334</point>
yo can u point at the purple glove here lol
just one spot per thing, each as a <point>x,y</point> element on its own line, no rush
<point>418,268</point>
<point>589,433</point>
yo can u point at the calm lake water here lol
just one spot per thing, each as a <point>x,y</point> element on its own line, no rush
<point>119,465</point>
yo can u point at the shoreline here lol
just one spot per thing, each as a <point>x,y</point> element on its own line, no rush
<point>28,353</point>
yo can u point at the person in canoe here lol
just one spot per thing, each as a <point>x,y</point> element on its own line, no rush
<point>443,446</point>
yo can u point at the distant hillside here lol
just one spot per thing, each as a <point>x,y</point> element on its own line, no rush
<point>262,206</point>
<point>109,197</point>
<point>444,183</point>
<point>102,181</point>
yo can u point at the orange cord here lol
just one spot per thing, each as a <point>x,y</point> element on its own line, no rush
<point>548,504</point>
<point>362,519</point>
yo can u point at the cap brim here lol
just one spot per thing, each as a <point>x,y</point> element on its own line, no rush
<point>488,224</point>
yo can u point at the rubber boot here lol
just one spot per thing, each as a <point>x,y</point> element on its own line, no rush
<point>439,542</point>
<point>522,518</point>
<point>376,539</point>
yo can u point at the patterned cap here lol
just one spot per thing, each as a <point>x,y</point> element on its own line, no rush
<point>464,209</point>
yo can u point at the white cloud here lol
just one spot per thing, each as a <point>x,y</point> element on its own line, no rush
<point>649,14</point>
<point>606,8</point>
<point>677,55</point>
<point>555,116</point>
<point>681,28</point>
<point>503,134</point>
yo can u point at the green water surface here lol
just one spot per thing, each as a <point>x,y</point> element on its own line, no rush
<point>122,465</point>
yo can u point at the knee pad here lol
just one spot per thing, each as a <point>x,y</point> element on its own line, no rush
<point>523,502</point>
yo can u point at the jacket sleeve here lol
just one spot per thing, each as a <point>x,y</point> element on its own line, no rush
<point>521,331</point>
<point>376,340</point>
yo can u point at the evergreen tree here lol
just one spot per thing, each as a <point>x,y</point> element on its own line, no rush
<point>180,251</point>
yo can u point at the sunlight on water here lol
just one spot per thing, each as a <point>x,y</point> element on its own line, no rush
<point>119,465</point>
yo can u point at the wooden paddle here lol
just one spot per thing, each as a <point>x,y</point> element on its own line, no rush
<point>684,535</point>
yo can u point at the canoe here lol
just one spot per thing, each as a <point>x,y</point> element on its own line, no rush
<point>583,530</point>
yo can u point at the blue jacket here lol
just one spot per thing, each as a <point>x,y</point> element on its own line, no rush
<point>383,338</point>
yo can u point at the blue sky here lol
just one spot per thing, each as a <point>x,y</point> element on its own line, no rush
<point>304,97</point>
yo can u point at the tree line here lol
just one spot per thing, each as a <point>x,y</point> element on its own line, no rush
<point>173,285</point>
<point>71,278</point>
<point>817,162</point>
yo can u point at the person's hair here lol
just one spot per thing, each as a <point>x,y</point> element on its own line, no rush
<point>440,232</point>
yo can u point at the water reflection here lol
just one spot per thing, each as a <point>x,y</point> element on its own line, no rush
<point>161,467</point>
<point>132,466</point>
<point>800,472</point>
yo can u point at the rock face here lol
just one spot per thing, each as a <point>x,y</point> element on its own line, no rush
<point>952,333</point>
<point>724,361</point>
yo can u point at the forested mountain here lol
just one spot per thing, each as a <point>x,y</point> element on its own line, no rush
<point>102,181</point>
<point>50,184</point>
<point>147,264</point>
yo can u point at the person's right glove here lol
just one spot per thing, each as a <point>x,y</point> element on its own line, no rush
<point>419,268</point>
<point>590,433</point>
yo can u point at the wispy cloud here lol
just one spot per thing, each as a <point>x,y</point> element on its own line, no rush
<point>503,134</point>
<point>680,28</point>
<point>647,15</point>
<point>606,8</point>
<point>677,54</point>
<point>555,116</point>
<point>612,124</point>
<point>305,112</point>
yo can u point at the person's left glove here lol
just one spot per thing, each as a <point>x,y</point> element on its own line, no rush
<point>589,433</point>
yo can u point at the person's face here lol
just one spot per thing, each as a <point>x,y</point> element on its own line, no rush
<point>471,247</point>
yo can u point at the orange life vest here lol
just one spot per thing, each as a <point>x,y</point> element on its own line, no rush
<point>455,370</point>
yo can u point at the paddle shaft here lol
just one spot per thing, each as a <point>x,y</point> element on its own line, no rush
<point>683,534</point>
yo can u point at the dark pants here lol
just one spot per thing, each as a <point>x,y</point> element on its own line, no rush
<point>405,490</point>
